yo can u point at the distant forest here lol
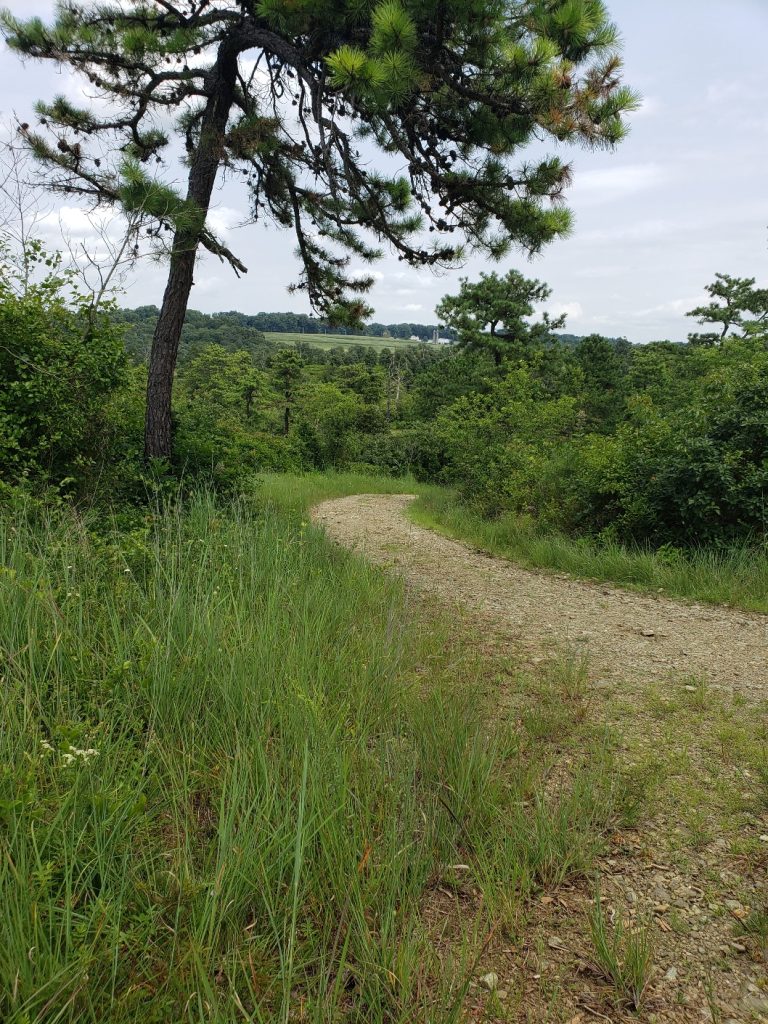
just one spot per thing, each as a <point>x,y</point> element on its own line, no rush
<point>234,330</point>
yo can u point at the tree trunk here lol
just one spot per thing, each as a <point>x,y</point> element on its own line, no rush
<point>202,177</point>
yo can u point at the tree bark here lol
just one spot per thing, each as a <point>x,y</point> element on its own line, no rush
<point>203,168</point>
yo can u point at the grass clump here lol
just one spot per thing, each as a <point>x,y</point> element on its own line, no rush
<point>622,955</point>
<point>755,926</point>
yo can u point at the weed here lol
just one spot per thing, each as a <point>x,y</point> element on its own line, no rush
<point>761,771</point>
<point>233,763</point>
<point>623,954</point>
<point>569,673</point>
<point>697,691</point>
<point>756,926</point>
<point>715,1013</point>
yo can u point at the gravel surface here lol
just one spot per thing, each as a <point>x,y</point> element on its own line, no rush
<point>626,634</point>
<point>696,864</point>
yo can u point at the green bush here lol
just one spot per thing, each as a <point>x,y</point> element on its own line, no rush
<point>60,365</point>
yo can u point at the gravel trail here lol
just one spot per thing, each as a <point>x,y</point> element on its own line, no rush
<point>627,635</point>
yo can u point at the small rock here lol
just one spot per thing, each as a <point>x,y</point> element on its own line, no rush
<point>764,839</point>
<point>671,974</point>
<point>554,942</point>
<point>502,993</point>
<point>490,981</point>
<point>648,632</point>
<point>690,689</point>
<point>733,904</point>
<point>739,947</point>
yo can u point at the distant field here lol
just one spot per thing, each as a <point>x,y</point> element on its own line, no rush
<point>334,340</point>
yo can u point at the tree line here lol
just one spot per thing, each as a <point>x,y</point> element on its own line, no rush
<point>665,443</point>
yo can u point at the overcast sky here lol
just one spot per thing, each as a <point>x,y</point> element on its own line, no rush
<point>685,196</point>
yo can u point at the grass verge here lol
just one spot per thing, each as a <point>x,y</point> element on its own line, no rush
<point>737,576</point>
<point>235,763</point>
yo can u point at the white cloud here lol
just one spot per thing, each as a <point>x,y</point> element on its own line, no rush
<point>248,67</point>
<point>413,307</point>
<point>679,306</point>
<point>633,231</point>
<point>649,105</point>
<point>223,219</point>
<point>573,310</point>
<point>360,273</point>
<point>606,183</point>
<point>79,224</point>
<point>205,285</point>
<point>727,90</point>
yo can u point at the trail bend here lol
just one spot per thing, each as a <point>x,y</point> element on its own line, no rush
<point>627,635</point>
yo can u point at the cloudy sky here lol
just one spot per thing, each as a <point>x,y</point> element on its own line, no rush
<point>683,197</point>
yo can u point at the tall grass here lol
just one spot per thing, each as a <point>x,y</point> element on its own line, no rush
<point>736,576</point>
<point>233,762</point>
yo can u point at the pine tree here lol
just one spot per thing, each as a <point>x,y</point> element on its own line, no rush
<point>493,314</point>
<point>310,101</point>
<point>738,310</point>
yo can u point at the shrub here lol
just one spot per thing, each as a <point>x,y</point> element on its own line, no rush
<point>60,364</point>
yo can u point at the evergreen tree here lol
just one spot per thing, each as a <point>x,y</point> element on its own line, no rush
<point>285,92</point>
<point>493,314</point>
<point>286,366</point>
<point>738,307</point>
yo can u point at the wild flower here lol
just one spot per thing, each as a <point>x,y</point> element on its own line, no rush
<point>68,757</point>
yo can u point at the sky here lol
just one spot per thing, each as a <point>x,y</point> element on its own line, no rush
<point>682,198</point>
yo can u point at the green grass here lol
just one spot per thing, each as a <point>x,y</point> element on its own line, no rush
<point>234,761</point>
<point>623,954</point>
<point>737,577</point>
<point>336,340</point>
<point>298,492</point>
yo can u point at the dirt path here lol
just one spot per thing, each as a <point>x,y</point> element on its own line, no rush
<point>697,862</point>
<point>626,635</point>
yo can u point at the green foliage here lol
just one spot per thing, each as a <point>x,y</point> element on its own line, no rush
<point>456,91</point>
<point>60,364</point>
<point>660,444</point>
<point>501,448</point>
<point>493,313</point>
<point>699,474</point>
<point>738,310</point>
